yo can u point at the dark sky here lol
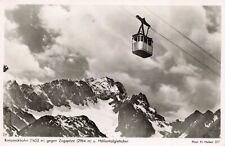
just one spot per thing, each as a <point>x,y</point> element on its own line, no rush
<point>43,43</point>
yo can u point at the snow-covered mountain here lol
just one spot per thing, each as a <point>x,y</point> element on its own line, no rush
<point>62,126</point>
<point>198,125</point>
<point>93,108</point>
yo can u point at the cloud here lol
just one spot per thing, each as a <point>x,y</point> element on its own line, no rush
<point>181,67</point>
<point>213,13</point>
<point>10,29</point>
<point>132,85</point>
<point>204,94</point>
<point>22,58</point>
<point>29,28</point>
<point>168,93</point>
<point>21,61</point>
<point>23,66</point>
<point>19,80</point>
<point>66,64</point>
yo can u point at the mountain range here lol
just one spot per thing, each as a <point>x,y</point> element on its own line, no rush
<point>94,107</point>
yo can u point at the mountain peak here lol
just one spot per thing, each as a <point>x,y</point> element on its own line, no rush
<point>217,112</point>
<point>197,112</point>
<point>140,99</point>
<point>192,117</point>
<point>208,113</point>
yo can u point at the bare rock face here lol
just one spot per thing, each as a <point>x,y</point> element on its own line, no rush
<point>133,123</point>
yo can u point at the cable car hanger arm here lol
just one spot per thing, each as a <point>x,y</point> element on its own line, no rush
<point>143,21</point>
<point>141,28</point>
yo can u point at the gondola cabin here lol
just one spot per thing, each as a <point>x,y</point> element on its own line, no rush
<point>142,45</point>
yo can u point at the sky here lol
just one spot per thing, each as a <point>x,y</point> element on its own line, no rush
<point>47,42</point>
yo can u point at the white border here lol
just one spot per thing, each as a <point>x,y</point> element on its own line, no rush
<point>132,141</point>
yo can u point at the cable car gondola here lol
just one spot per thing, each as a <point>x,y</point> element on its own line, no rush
<point>142,45</point>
